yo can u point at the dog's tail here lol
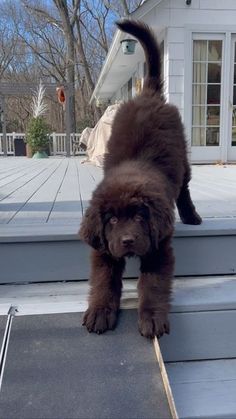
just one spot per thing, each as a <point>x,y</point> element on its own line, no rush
<point>151,49</point>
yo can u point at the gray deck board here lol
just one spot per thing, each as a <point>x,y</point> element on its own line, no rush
<point>67,206</point>
<point>190,294</point>
<point>204,389</point>
<point>55,369</point>
<point>16,206</point>
<point>38,208</point>
<point>88,183</point>
<point>204,335</point>
<point>56,191</point>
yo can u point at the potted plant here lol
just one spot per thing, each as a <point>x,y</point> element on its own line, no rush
<point>38,133</point>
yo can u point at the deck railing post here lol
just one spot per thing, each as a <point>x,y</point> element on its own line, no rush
<point>68,118</point>
<point>4,126</point>
<point>54,144</point>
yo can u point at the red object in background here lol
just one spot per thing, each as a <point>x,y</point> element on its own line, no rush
<point>61,95</point>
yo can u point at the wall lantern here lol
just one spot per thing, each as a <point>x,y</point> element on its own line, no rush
<point>128,46</point>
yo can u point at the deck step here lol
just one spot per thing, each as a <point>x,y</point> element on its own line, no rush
<point>202,319</point>
<point>57,254</point>
<point>205,389</point>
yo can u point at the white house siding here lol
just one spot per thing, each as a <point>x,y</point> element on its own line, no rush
<point>214,16</point>
<point>177,22</point>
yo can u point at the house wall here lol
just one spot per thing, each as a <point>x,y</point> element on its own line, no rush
<point>202,16</point>
<point>176,17</point>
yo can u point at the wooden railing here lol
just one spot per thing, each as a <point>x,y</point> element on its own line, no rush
<point>57,143</point>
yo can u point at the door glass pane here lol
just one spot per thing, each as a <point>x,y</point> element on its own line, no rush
<point>199,115</point>
<point>214,73</point>
<point>200,50</point>
<point>199,94</point>
<point>213,94</point>
<point>234,126</point>
<point>214,50</point>
<point>234,95</point>
<point>213,115</point>
<point>234,136</point>
<point>199,72</point>
<point>198,136</point>
<point>212,136</point>
<point>234,116</point>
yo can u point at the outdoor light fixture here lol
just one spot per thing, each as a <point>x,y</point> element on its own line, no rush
<point>188,2</point>
<point>128,46</point>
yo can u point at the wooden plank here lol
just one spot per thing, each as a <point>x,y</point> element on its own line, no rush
<point>204,389</point>
<point>19,181</point>
<point>38,207</point>
<point>96,172</point>
<point>189,295</point>
<point>209,228</point>
<point>165,379</point>
<point>67,206</point>
<point>57,297</point>
<point>87,184</point>
<point>193,294</point>
<point>199,336</point>
<point>25,233</point>
<point>7,166</point>
<point>19,199</point>
<point>14,173</point>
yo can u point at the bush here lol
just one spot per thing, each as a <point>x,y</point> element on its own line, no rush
<point>37,135</point>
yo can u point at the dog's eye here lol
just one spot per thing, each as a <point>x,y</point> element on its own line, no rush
<point>138,218</point>
<point>113,220</point>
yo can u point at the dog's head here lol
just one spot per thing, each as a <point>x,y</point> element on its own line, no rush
<point>127,216</point>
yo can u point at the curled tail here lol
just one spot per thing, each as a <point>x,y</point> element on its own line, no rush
<point>147,39</point>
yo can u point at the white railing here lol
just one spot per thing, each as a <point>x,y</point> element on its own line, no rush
<point>57,143</point>
<point>10,144</point>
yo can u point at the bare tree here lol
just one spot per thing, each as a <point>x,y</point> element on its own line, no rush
<point>65,41</point>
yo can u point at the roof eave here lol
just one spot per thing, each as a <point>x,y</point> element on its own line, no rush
<point>115,46</point>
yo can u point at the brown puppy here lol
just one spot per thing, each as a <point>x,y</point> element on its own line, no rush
<point>132,210</point>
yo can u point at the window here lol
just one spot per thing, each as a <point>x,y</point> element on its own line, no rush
<point>206,94</point>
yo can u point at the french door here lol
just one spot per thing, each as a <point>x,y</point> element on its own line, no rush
<point>207,97</point>
<point>213,105</point>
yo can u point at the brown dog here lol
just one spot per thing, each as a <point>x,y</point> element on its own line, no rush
<point>132,210</point>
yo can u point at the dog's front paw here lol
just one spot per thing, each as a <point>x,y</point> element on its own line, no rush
<point>98,320</point>
<point>153,324</point>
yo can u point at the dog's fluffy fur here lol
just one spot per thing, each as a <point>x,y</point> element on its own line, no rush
<point>131,213</point>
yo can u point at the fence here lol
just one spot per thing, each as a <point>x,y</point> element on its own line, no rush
<point>57,144</point>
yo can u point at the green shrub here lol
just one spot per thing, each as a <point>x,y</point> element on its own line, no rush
<point>37,134</point>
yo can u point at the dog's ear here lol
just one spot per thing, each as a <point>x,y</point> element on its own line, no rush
<point>91,229</point>
<point>161,220</point>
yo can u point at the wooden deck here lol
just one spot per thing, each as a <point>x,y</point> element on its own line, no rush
<point>50,195</point>
<point>41,205</point>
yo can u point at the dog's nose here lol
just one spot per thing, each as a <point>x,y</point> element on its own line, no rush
<point>127,240</point>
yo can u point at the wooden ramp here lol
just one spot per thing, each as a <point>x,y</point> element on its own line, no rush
<point>55,369</point>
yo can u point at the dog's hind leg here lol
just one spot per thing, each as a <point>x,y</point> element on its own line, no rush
<point>105,293</point>
<point>186,208</point>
